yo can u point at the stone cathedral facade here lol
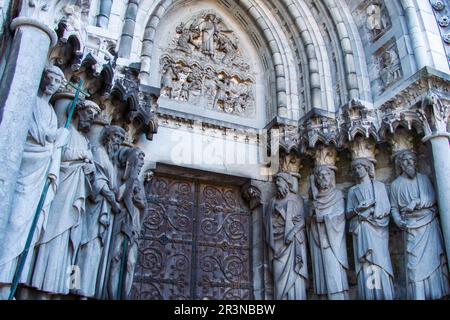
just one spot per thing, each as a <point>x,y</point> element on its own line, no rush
<point>224,149</point>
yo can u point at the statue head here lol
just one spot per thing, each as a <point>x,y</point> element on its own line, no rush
<point>363,167</point>
<point>52,79</point>
<point>285,183</point>
<point>133,161</point>
<point>112,138</point>
<point>86,112</point>
<point>405,163</point>
<point>324,178</point>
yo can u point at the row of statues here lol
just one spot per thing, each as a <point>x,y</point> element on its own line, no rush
<point>412,205</point>
<point>85,241</point>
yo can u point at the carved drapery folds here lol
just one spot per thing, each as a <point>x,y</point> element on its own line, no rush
<point>204,66</point>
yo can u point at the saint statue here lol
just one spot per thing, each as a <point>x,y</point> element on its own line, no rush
<point>60,241</point>
<point>40,160</point>
<point>285,236</point>
<point>327,236</point>
<point>208,29</point>
<point>368,210</point>
<point>124,251</point>
<point>414,210</point>
<point>97,222</point>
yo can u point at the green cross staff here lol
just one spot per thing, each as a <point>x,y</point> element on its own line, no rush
<point>24,254</point>
<point>122,268</point>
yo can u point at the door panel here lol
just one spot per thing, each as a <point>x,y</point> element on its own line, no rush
<point>196,243</point>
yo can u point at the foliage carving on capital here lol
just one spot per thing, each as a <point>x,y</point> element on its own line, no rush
<point>434,115</point>
<point>325,156</point>
<point>362,148</point>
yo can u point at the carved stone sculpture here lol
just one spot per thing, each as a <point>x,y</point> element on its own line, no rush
<point>42,149</point>
<point>391,69</point>
<point>413,208</point>
<point>97,222</point>
<point>285,236</point>
<point>376,21</point>
<point>368,210</point>
<point>327,236</point>
<point>60,241</point>
<point>127,228</point>
<point>208,28</point>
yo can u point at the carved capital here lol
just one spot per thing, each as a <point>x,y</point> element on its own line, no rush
<point>290,162</point>
<point>434,113</point>
<point>401,141</point>
<point>362,148</point>
<point>325,156</point>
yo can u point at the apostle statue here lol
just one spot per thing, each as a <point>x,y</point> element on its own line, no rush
<point>414,210</point>
<point>368,210</point>
<point>58,246</point>
<point>41,157</point>
<point>327,236</point>
<point>97,222</point>
<point>285,236</point>
<point>124,250</point>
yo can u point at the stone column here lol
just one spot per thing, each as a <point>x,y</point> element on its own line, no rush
<point>104,13</point>
<point>18,89</point>
<point>126,40</point>
<point>258,194</point>
<point>434,116</point>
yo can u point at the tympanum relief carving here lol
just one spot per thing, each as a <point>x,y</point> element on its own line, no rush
<point>204,66</point>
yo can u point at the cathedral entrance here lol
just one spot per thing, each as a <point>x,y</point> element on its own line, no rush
<point>196,241</point>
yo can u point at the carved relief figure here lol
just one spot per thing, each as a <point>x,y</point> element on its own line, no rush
<point>186,39</point>
<point>58,246</point>
<point>128,227</point>
<point>42,149</point>
<point>390,67</point>
<point>228,47</point>
<point>377,22</point>
<point>285,236</point>
<point>97,222</point>
<point>414,210</point>
<point>327,236</point>
<point>368,210</point>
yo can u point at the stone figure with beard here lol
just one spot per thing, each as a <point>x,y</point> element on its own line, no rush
<point>127,228</point>
<point>327,236</point>
<point>285,236</point>
<point>413,208</point>
<point>97,222</point>
<point>368,211</point>
<point>42,150</point>
<point>58,246</point>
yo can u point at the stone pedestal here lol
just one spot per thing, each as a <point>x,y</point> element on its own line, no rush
<point>19,88</point>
